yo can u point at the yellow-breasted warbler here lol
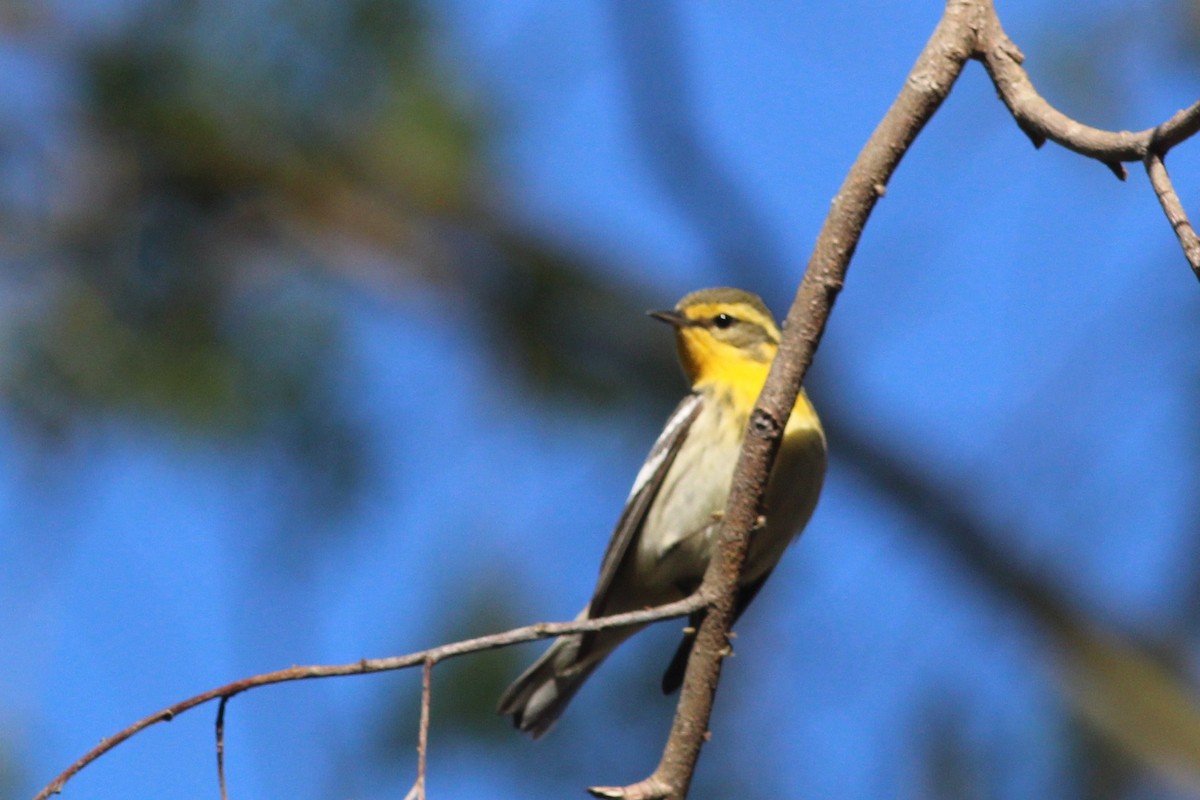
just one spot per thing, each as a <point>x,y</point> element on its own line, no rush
<point>663,541</point>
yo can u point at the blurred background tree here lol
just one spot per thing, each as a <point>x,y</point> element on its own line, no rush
<point>323,339</point>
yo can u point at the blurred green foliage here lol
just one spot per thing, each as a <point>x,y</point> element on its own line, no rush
<point>240,156</point>
<point>221,151</point>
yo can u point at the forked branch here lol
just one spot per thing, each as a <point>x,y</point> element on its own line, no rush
<point>428,658</point>
<point>1041,121</point>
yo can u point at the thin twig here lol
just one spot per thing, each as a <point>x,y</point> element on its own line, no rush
<point>1173,208</point>
<point>417,792</point>
<point>221,748</point>
<point>1041,121</point>
<point>527,633</point>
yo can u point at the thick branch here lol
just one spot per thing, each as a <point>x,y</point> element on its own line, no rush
<point>528,633</point>
<point>928,84</point>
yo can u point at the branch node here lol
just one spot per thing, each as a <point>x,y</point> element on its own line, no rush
<point>764,424</point>
<point>1118,169</point>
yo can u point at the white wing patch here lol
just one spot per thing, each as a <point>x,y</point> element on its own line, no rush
<point>645,487</point>
<point>662,446</point>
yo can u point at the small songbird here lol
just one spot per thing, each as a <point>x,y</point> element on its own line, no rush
<point>664,539</point>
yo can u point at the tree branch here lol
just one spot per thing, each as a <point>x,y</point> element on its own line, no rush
<point>1041,121</point>
<point>221,748</point>
<point>1156,170</point>
<point>928,84</point>
<point>418,790</point>
<point>528,633</point>
<point>968,29</point>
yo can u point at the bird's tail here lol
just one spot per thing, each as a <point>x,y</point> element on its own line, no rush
<point>537,698</point>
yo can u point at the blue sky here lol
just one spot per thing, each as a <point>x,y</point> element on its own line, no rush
<point>1017,321</point>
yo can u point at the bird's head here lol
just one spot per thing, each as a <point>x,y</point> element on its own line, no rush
<point>723,335</point>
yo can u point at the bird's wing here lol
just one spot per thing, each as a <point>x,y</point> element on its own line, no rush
<point>641,496</point>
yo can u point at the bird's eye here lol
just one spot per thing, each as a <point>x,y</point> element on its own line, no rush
<point>723,321</point>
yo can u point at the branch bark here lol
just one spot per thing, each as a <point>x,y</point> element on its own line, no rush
<point>1164,189</point>
<point>417,792</point>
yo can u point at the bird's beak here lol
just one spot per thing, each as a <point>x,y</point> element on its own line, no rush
<point>672,318</point>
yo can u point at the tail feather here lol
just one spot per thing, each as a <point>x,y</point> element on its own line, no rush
<point>537,698</point>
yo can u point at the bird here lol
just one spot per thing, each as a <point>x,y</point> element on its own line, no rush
<point>726,339</point>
